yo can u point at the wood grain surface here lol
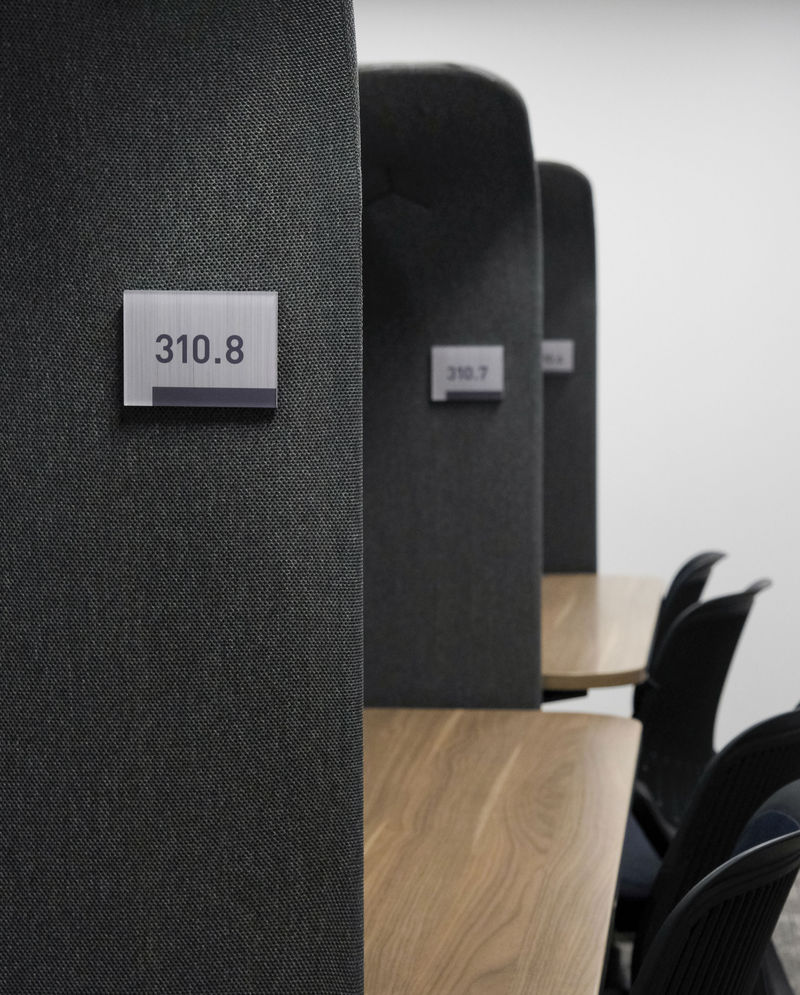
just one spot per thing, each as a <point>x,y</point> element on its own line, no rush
<point>492,842</point>
<point>596,630</point>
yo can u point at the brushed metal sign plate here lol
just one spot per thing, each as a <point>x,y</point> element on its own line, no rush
<point>558,356</point>
<point>467,372</point>
<point>200,348</point>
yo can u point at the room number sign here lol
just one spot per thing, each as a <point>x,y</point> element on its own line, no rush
<point>200,348</point>
<point>558,356</point>
<point>467,373</point>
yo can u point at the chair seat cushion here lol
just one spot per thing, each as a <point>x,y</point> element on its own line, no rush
<point>639,868</point>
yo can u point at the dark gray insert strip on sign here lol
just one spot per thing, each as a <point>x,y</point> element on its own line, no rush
<point>215,397</point>
<point>474,395</point>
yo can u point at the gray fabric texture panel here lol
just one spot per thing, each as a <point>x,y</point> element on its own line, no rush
<point>452,498</point>
<point>570,399</point>
<point>180,793</point>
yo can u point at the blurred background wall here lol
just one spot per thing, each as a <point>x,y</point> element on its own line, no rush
<point>686,118</point>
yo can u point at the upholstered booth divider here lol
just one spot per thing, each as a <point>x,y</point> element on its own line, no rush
<point>570,397</point>
<point>180,679</point>
<point>452,490</point>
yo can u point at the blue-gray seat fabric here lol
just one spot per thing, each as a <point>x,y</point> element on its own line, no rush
<point>639,869</point>
<point>180,672</point>
<point>452,491</point>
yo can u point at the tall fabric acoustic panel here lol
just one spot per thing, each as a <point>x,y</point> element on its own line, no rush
<point>451,490</point>
<point>570,392</point>
<point>180,793</point>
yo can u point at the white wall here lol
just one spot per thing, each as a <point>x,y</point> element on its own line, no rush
<point>686,117</point>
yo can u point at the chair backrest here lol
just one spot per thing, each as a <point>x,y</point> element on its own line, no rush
<point>180,672</point>
<point>452,490</point>
<point>714,941</point>
<point>682,691</point>
<point>685,590</point>
<point>570,389</point>
<point>742,776</point>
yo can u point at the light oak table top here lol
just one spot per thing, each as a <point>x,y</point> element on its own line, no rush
<point>492,842</point>
<point>596,629</point>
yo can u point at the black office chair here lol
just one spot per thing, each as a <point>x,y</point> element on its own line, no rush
<point>685,590</point>
<point>752,767</point>
<point>682,692</point>
<point>714,941</point>
<point>778,814</point>
<point>181,611</point>
<point>452,489</point>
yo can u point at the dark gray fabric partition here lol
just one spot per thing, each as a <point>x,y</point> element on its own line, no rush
<point>180,679</point>
<point>452,498</point>
<point>570,399</point>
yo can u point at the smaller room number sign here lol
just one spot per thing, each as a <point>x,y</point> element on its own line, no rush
<point>467,373</point>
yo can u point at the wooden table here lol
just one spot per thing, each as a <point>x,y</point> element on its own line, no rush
<point>492,841</point>
<point>596,629</point>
